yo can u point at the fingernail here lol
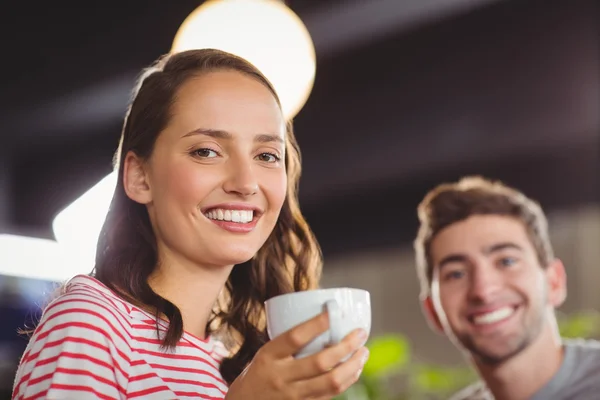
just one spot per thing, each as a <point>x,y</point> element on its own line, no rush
<point>362,337</point>
<point>365,357</point>
<point>358,373</point>
<point>362,334</point>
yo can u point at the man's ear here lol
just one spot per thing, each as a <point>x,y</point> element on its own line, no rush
<point>135,179</point>
<point>557,282</point>
<point>431,315</point>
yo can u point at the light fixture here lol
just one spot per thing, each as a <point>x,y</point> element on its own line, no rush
<point>266,33</point>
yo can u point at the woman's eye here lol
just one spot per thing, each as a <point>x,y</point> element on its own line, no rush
<point>205,153</point>
<point>268,157</point>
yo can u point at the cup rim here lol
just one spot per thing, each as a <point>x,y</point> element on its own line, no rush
<point>322,290</point>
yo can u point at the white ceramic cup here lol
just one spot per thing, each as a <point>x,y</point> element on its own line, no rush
<point>348,309</point>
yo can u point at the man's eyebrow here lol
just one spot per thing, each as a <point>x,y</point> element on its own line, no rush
<point>458,258</point>
<point>452,258</point>
<point>501,246</point>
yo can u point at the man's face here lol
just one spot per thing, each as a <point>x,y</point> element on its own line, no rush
<point>489,291</point>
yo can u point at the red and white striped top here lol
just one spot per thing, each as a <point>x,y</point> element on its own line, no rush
<point>91,344</point>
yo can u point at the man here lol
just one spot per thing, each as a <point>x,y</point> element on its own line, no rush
<point>490,282</point>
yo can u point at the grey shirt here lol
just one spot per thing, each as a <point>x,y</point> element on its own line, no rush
<point>578,377</point>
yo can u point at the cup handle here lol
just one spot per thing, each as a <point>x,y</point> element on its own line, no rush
<point>335,321</point>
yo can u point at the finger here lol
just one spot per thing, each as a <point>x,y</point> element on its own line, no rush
<point>289,343</point>
<point>327,359</point>
<point>336,381</point>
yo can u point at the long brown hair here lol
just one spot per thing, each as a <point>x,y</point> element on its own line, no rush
<point>290,259</point>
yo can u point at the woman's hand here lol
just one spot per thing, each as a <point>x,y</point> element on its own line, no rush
<point>274,373</point>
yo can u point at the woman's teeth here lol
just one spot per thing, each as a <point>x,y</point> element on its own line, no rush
<point>241,216</point>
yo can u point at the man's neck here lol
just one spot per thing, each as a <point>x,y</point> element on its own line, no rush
<point>520,377</point>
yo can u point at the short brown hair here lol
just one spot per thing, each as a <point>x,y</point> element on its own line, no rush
<point>449,203</point>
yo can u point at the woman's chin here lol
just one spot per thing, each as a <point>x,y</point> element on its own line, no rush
<point>229,257</point>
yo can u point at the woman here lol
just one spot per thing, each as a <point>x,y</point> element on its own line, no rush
<point>204,227</point>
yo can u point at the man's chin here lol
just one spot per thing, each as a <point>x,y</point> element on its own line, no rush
<point>494,355</point>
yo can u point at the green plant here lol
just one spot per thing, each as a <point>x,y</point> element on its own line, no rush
<point>584,324</point>
<point>393,373</point>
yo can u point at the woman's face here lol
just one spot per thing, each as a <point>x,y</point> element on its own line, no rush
<point>216,180</point>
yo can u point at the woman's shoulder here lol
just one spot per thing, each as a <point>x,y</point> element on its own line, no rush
<point>86,302</point>
<point>81,338</point>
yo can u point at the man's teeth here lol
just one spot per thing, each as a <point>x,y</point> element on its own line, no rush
<point>241,216</point>
<point>494,316</point>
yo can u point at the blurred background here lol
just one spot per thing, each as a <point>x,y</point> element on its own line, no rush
<point>407,94</point>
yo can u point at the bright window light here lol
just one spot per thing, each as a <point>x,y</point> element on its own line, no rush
<point>76,229</point>
<point>78,226</point>
<point>36,258</point>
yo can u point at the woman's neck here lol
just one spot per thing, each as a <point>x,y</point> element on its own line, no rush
<point>193,288</point>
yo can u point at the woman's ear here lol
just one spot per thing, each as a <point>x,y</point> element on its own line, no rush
<point>135,179</point>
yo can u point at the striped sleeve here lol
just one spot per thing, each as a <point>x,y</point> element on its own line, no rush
<point>79,351</point>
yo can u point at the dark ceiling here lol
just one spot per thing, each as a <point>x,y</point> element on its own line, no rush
<point>407,94</point>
